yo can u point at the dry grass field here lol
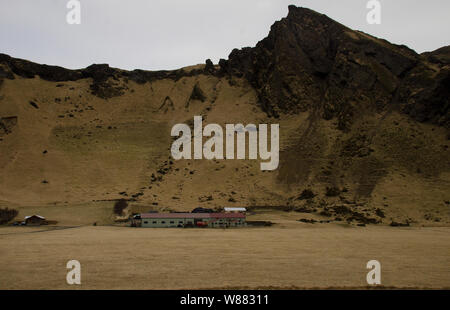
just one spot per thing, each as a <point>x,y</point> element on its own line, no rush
<point>287,255</point>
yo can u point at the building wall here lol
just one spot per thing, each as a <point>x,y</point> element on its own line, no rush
<point>34,221</point>
<point>173,223</point>
<point>226,222</point>
<point>165,223</point>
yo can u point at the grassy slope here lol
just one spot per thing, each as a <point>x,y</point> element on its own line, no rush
<point>115,145</point>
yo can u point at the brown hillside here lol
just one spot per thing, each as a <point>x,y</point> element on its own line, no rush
<point>364,125</point>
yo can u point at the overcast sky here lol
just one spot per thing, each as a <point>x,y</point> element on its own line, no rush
<point>168,34</point>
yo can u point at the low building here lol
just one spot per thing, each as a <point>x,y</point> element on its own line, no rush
<point>168,220</point>
<point>34,220</point>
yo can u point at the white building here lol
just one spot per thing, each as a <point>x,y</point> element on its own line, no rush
<point>234,210</point>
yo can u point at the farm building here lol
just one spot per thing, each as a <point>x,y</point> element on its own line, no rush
<point>166,220</point>
<point>34,220</point>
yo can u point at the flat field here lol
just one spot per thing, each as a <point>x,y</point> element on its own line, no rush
<point>290,255</point>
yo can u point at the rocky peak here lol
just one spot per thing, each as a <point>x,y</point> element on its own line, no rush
<point>309,61</point>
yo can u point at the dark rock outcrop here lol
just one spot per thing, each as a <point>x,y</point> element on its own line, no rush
<point>425,95</point>
<point>209,67</point>
<point>106,81</point>
<point>7,124</point>
<point>30,69</point>
<point>309,61</point>
<point>440,56</point>
<point>197,93</point>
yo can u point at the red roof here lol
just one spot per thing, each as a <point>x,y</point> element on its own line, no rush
<point>173,215</point>
<point>190,215</point>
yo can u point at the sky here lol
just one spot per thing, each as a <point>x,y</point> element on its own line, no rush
<point>169,34</point>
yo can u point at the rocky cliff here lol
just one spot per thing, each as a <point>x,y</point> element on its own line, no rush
<point>309,61</point>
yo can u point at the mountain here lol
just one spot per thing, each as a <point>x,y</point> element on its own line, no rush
<point>364,129</point>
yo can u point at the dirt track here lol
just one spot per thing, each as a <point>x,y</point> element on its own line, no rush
<point>46,229</point>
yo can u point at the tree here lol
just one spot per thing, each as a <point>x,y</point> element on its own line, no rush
<point>7,215</point>
<point>119,206</point>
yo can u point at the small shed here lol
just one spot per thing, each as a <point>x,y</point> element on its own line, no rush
<point>34,220</point>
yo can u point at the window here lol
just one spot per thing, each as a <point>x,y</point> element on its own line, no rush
<point>145,222</point>
<point>154,222</point>
<point>180,222</point>
<point>163,222</point>
<point>172,222</point>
